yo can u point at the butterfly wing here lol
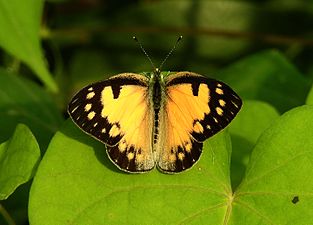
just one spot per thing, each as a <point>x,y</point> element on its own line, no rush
<point>117,112</point>
<point>195,109</point>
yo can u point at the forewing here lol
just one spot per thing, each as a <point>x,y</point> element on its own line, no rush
<point>117,112</point>
<point>195,108</point>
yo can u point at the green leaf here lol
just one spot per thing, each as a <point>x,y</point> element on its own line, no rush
<point>101,194</point>
<point>269,77</point>
<point>253,119</point>
<point>246,128</point>
<point>16,205</point>
<point>309,99</point>
<point>22,101</point>
<point>277,188</point>
<point>19,158</point>
<point>278,185</point>
<point>20,24</point>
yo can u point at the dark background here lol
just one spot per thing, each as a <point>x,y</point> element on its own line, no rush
<point>89,40</point>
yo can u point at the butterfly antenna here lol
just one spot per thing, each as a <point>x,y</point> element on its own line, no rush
<point>178,40</point>
<point>144,51</point>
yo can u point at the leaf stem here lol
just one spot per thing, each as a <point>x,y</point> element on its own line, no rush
<point>6,215</point>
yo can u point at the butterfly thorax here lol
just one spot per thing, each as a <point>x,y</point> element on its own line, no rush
<point>157,89</point>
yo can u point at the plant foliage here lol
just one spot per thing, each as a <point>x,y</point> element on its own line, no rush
<point>257,171</point>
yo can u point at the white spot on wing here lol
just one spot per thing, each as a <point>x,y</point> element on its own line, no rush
<point>91,115</point>
<point>90,95</point>
<point>222,102</point>
<point>219,111</point>
<point>219,91</point>
<point>87,107</point>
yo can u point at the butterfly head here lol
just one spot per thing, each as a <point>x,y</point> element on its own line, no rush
<point>155,75</point>
<point>157,70</point>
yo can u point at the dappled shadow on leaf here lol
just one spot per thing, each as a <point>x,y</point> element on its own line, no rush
<point>23,101</point>
<point>240,156</point>
<point>267,76</point>
<point>17,204</point>
<point>11,115</point>
<point>73,132</point>
<point>280,91</point>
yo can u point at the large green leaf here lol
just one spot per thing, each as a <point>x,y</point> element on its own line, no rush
<point>278,185</point>
<point>277,188</point>
<point>309,99</point>
<point>19,157</point>
<point>267,76</point>
<point>20,24</point>
<point>22,101</point>
<point>253,119</point>
<point>77,184</point>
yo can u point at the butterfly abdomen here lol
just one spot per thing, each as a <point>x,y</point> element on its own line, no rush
<point>156,126</point>
<point>156,100</point>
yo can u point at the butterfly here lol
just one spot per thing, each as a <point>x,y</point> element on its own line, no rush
<point>157,119</point>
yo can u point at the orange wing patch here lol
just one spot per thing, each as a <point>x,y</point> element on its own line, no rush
<point>133,152</point>
<point>181,150</point>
